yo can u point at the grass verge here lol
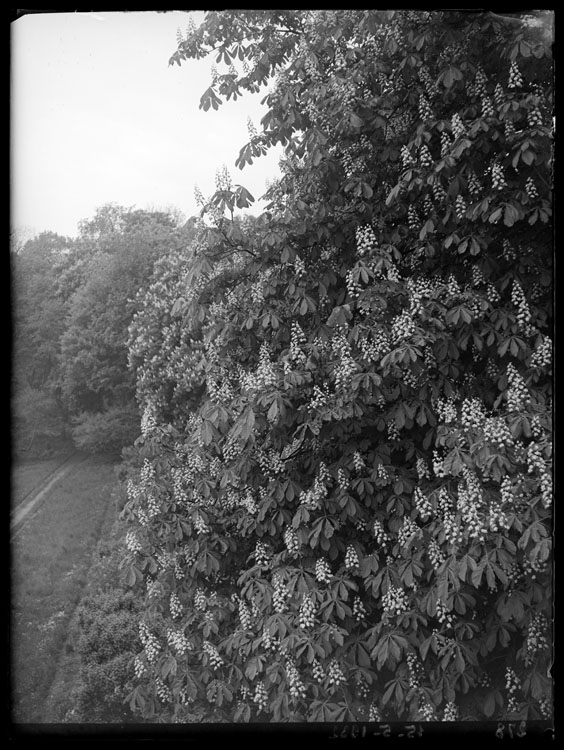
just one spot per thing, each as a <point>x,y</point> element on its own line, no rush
<point>25,477</point>
<point>50,561</point>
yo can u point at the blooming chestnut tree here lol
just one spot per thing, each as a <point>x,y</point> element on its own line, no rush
<point>343,503</point>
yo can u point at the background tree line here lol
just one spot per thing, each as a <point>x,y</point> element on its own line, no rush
<point>73,300</point>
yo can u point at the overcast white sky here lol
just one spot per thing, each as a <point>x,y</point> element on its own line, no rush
<point>98,116</point>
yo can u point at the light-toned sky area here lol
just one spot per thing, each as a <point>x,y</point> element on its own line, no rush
<point>98,116</point>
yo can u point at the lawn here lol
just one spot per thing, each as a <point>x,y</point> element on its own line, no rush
<point>25,477</point>
<point>51,556</point>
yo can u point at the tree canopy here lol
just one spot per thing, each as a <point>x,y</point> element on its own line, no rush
<point>343,504</point>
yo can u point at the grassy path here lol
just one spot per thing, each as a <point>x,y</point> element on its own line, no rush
<point>50,560</point>
<point>28,476</point>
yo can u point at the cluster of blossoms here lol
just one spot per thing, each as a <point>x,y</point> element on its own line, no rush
<point>451,712</point>
<point>317,671</point>
<point>498,519</point>
<point>474,185</point>
<point>245,617</point>
<point>415,670</point>
<point>148,419</point>
<point>452,286</point>
<point>262,554</point>
<point>133,491</point>
<point>534,118</point>
<point>536,641</point>
<point>470,502</point>
<point>517,391</point>
<point>271,462</point>
<point>515,77</point>
<point>439,193</point>
<point>545,705</point>
<point>374,713</point>
<point>375,347</point>
<point>153,588</point>
<point>132,542</point>
<point>359,610</point>
<point>512,685</point>
<point>358,462</point>
<point>435,554</point>
<point>536,463</point>
<point>176,608</point>
<point>498,178</point>
<point>446,410</point>
<point>291,541</point>
<point>312,498</point>
<point>269,641</point>
<point>426,710</point>
<point>422,503</point>
<point>322,570</point>
<point>307,613</point>
<point>395,601</point>
<point>335,674</point>
<point>407,159</point>
<point>417,289</point>
<point>426,159</point>
<point>425,111</point>
<point>428,207</point>
<point>393,431</point>
<point>487,107</point>
<point>531,189</point>
<point>280,596</point>
<point>366,241</point>
<point>297,340</point>
<point>403,326</point>
<point>147,473</point>
<point>354,287</point>
<point>248,501</point>
<point>542,355</point>
<point>139,667</point>
<point>407,531</point>
<point>457,126</point>
<point>260,697</point>
<point>453,531</point>
<point>150,642</point>
<point>379,534</point>
<point>499,94</point>
<point>163,691</point>
<point>443,615</point>
<point>473,413</point>
<point>200,525</point>
<point>213,655</point>
<point>345,365</point>
<point>422,469</point>
<point>264,377</point>
<point>413,220</point>
<point>299,267</point>
<point>178,641</point>
<point>460,207</point>
<point>520,301</point>
<point>200,601</point>
<point>342,479</point>
<point>351,558</point>
<point>446,145</point>
<point>296,686</point>
<point>497,432</point>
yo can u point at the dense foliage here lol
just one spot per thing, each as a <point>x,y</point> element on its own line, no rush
<point>73,302</point>
<point>37,324</point>
<point>107,617</point>
<point>343,503</point>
